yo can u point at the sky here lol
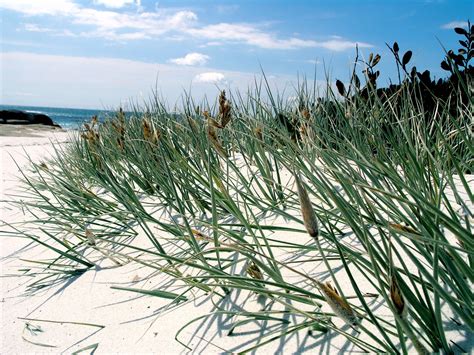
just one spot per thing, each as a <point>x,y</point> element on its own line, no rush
<point>105,53</point>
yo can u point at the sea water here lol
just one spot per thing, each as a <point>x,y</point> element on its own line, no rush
<point>67,118</point>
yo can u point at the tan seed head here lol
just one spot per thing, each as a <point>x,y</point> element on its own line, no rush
<point>254,271</point>
<point>309,216</point>
<point>397,297</point>
<point>339,305</point>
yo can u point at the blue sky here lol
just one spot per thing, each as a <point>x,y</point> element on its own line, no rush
<point>101,53</point>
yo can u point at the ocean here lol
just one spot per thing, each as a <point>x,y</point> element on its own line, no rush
<point>67,118</point>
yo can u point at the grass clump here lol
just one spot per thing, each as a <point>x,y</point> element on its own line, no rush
<point>215,198</point>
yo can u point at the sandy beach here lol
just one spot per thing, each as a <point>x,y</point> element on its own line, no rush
<point>236,177</point>
<point>29,130</point>
<point>85,312</point>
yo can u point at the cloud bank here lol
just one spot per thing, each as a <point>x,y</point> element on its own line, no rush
<point>453,24</point>
<point>210,78</point>
<point>163,23</point>
<point>191,59</point>
<point>72,81</point>
<point>117,4</point>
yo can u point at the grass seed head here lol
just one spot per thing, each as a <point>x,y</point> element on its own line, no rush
<point>90,237</point>
<point>254,271</point>
<point>120,143</point>
<point>147,131</point>
<point>90,135</point>
<point>213,123</point>
<point>192,123</point>
<point>224,109</point>
<point>309,216</point>
<point>94,121</point>
<point>402,228</point>
<point>219,148</point>
<point>338,304</point>
<point>156,136</point>
<point>217,145</point>
<point>121,115</point>
<point>304,130</point>
<point>199,236</point>
<point>305,113</point>
<point>119,126</point>
<point>212,134</point>
<point>397,297</point>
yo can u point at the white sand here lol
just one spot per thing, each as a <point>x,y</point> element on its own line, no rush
<point>130,323</point>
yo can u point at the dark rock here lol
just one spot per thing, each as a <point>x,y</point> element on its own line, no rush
<point>22,117</point>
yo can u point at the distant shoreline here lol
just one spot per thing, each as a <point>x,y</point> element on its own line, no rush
<point>43,108</point>
<point>67,118</point>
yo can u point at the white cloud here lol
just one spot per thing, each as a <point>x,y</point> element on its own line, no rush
<point>45,7</point>
<point>210,78</point>
<point>341,45</point>
<point>111,35</point>
<point>117,4</point>
<point>248,34</point>
<point>251,35</point>
<point>191,59</point>
<point>453,24</point>
<point>107,23</point>
<point>68,81</point>
<point>127,26</point>
<point>133,26</point>
<point>211,44</point>
<point>31,27</point>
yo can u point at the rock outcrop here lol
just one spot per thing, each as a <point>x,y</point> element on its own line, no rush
<point>22,117</point>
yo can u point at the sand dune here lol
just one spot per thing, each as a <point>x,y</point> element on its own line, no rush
<point>85,312</point>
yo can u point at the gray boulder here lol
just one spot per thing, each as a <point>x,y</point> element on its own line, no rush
<point>22,117</point>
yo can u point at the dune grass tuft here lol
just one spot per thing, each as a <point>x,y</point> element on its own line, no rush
<point>208,197</point>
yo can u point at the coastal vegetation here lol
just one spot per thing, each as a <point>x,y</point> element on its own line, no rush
<point>350,213</point>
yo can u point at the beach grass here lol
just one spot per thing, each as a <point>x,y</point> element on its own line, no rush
<point>224,199</point>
